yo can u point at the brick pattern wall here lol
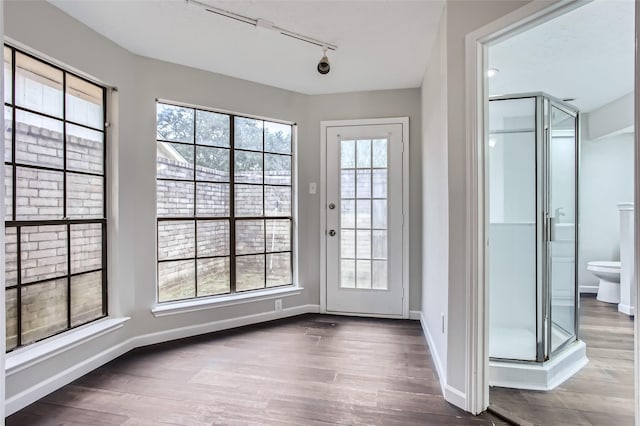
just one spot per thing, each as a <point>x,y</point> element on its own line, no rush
<point>44,249</point>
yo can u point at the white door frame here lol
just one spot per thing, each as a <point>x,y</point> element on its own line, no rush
<point>476,99</point>
<point>324,125</point>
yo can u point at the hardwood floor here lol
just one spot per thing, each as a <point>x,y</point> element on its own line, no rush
<point>308,370</point>
<point>601,393</point>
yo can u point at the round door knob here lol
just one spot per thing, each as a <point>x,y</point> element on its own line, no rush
<point>332,206</point>
<point>332,233</point>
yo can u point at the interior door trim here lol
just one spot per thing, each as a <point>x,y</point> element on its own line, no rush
<point>324,126</point>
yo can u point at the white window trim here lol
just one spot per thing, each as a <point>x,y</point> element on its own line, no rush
<point>194,305</point>
<point>27,356</point>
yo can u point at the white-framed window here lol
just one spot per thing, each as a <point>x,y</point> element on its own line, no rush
<point>224,203</point>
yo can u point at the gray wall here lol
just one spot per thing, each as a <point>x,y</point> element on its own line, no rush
<point>132,155</point>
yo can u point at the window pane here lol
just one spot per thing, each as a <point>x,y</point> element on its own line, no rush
<point>175,123</point>
<point>379,245</point>
<point>277,137</point>
<point>213,276</point>
<point>248,134</point>
<point>10,257</point>
<point>250,272</point>
<point>175,161</point>
<point>38,194</point>
<point>85,149</point>
<point>248,200</point>
<point>175,198</point>
<point>348,154</point>
<point>8,192</point>
<point>380,281</point>
<point>213,238</point>
<point>363,244</point>
<point>86,298</point>
<point>38,86</point>
<point>11,315</point>
<point>84,102</point>
<point>85,196</point>
<point>43,252</point>
<point>348,184</point>
<point>44,310</point>
<point>8,78</point>
<point>277,169</point>
<point>363,153</point>
<point>363,214</point>
<point>86,247</point>
<point>176,280</point>
<point>212,199</point>
<point>176,239</point>
<point>278,269</point>
<point>277,200</point>
<point>39,140</point>
<point>212,129</point>
<point>8,132</point>
<point>363,274</point>
<point>248,167</point>
<point>379,214</point>
<point>249,236</point>
<point>278,235</point>
<point>212,164</point>
<point>379,183</point>
<point>348,244</point>
<point>348,273</point>
<point>379,153</point>
<point>363,187</point>
<point>348,214</point>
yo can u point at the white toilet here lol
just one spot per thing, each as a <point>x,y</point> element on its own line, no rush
<point>609,274</point>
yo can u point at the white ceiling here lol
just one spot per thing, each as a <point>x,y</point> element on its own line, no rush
<point>382,44</point>
<point>586,54</point>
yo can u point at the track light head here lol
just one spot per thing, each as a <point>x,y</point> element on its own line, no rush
<point>323,66</point>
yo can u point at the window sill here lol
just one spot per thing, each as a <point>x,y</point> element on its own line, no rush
<point>173,308</point>
<point>28,356</point>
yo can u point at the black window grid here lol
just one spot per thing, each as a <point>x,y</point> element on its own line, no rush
<point>19,224</point>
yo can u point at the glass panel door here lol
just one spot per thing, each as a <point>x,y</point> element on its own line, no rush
<point>561,225</point>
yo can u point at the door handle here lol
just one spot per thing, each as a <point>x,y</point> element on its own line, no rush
<point>332,233</point>
<point>332,206</point>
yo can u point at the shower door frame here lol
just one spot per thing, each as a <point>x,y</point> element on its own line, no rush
<point>544,314</point>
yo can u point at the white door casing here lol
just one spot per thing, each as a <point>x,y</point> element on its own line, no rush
<point>364,206</point>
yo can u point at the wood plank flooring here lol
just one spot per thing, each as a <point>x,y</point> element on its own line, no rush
<point>307,370</point>
<point>601,393</point>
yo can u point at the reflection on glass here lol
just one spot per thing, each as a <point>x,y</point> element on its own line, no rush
<point>379,153</point>
<point>379,178</point>
<point>363,186</point>
<point>380,280</point>
<point>347,244</point>
<point>363,272</point>
<point>348,184</point>
<point>277,200</point>
<point>363,153</point>
<point>278,235</point>
<point>363,243</point>
<point>348,214</point>
<point>379,245</point>
<point>348,273</point>
<point>363,213</point>
<point>348,154</point>
<point>379,214</point>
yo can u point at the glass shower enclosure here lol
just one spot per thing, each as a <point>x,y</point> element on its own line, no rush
<point>532,169</point>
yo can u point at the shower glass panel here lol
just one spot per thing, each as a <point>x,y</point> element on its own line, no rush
<point>512,229</point>
<point>531,166</point>
<point>562,223</point>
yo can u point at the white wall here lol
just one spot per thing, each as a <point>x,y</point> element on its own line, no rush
<point>40,26</point>
<point>463,17</point>
<point>435,203</point>
<point>606,179</point>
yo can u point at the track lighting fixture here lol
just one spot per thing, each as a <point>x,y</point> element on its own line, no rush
<point>323,65</point>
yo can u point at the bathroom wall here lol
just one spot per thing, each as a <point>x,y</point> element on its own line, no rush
<point>606,179</point>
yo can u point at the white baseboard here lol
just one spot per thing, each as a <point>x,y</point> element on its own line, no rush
<point>626,309</point>
<point>588,289</point>
<point>442,377</point>
<point>455,397</point>
<point>44,388</point>
<point>415,315</point>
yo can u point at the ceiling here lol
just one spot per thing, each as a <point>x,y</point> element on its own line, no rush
<point>586,54</point>
<point>382,44</point>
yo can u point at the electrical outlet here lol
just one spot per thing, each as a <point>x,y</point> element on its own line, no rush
<point>278,305</point>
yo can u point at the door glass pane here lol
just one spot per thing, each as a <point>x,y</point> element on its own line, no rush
<point>360,216</point>
<point>562,196</point>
